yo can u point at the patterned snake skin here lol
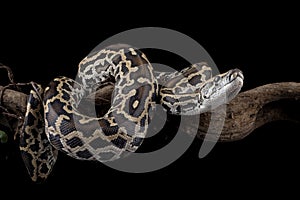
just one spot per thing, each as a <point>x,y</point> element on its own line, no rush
<point>53,120</point>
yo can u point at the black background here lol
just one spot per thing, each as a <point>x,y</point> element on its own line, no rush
<point>262,40</point>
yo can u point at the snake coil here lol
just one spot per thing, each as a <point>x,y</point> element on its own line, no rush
<point>56,123</point>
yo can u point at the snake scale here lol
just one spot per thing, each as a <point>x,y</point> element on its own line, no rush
<point>53,120</point>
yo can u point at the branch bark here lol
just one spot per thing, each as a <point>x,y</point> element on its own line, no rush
<point>248,111</point>
<point>256,107</point>
<point>13,100</point>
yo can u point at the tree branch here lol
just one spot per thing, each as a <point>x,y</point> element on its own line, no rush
<point>256,107</point>
<point>248,111</point>
<point>13,100</point>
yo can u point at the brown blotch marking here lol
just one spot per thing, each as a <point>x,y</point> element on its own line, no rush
<point>170,100</point>
<point>195,80</point>
<point>137,110</point>
<point>84,154</point>
<point>167,92</point>
<point>74,141</point>
<point>124,68</point>
<point>137,141</point>
<point>107,129</point>
<point>119,142</point>
<point>136,59</point>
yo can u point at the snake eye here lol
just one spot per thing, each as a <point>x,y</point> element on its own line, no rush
<point>205,96</point>
<point>233,76</point>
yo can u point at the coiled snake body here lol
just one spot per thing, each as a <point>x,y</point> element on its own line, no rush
<point>57,123</point>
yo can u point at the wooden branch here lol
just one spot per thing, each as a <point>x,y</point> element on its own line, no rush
<point>248,111</point>
<point>256,107</point>
<point>14,101</point>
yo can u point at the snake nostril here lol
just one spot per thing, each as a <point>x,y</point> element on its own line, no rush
<point>205,96</point>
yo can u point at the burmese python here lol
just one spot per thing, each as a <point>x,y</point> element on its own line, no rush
<point>57,123</point>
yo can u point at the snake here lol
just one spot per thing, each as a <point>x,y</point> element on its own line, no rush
<point>54,122</point>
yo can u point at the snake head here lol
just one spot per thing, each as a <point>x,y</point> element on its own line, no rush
<point>220,89</point>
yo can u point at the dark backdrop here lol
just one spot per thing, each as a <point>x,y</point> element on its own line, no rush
<point>40,44</point>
